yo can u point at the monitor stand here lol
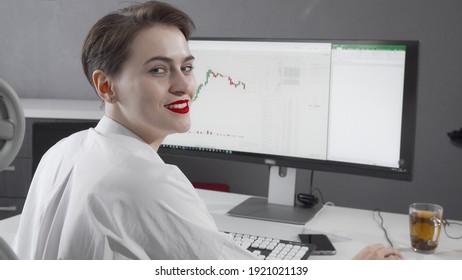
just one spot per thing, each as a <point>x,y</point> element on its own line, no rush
<point>280,205</point>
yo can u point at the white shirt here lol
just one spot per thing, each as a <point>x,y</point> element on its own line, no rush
<point>103,193</point>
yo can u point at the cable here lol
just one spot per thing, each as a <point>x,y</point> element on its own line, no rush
<point>320,193</point>
<point>308,199</point>
<point>381,225</point>
<point>311,181</point>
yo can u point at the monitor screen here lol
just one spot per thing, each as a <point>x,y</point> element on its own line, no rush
<point>331,105</point>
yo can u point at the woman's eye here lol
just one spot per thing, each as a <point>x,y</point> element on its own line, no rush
<point>157,70</point>
<point>188,68</point>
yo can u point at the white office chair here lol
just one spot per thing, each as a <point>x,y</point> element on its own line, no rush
<point>6,253</point>
<point>12,128</point>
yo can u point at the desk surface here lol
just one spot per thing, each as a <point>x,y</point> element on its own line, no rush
<point>349,229</point>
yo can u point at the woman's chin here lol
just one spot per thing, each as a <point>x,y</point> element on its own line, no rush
<point>183,129</point>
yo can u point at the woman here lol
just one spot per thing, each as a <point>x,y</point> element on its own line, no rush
<point>105,193</point>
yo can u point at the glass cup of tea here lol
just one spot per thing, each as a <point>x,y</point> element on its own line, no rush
<point>425,221</point>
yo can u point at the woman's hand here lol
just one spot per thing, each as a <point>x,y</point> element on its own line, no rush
<point>378,252</point>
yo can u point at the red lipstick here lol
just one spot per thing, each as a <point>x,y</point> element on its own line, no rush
<point>179,106</point>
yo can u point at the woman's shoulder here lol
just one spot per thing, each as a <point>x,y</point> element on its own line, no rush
<point>67,145</point>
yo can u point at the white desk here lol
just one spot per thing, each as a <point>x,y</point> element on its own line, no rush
<point>349,229</point>
<point>62,109</point>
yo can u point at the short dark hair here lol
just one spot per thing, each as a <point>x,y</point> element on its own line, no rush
<point>107,44</point>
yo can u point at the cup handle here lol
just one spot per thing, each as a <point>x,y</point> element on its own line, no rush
<point>436,232</point>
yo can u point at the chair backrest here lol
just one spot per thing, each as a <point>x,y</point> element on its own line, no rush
<point>6,253</point>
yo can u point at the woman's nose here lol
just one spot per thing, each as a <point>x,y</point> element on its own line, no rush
<point>182,84</point>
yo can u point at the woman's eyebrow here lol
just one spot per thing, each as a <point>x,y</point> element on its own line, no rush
<point>167,59</point>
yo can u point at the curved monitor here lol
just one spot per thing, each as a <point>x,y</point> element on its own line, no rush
<point>331,105</point>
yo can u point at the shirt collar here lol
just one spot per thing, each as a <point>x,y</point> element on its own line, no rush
<point>107,126</point>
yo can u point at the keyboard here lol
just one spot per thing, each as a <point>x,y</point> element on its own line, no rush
<point>266,248</point>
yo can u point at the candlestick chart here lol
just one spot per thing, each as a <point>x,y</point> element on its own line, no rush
<point>211,74</point>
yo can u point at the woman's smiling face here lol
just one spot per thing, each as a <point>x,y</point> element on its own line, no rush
<point>155,85</point>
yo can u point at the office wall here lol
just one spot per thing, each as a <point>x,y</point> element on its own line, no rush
<point>40,45</point>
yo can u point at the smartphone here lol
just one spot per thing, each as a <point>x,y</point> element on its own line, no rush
<point>322,242</point>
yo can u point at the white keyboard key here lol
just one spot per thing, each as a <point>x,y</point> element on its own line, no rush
<point>246,240</point>
<point>300,254</point>
<point>245,245</point>
<point>304,248</point>
<point>262,246</point>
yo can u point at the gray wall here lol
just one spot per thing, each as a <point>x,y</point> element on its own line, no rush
<point>40,45</point>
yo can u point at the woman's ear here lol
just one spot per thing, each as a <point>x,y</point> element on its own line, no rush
<point>103,86</point>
